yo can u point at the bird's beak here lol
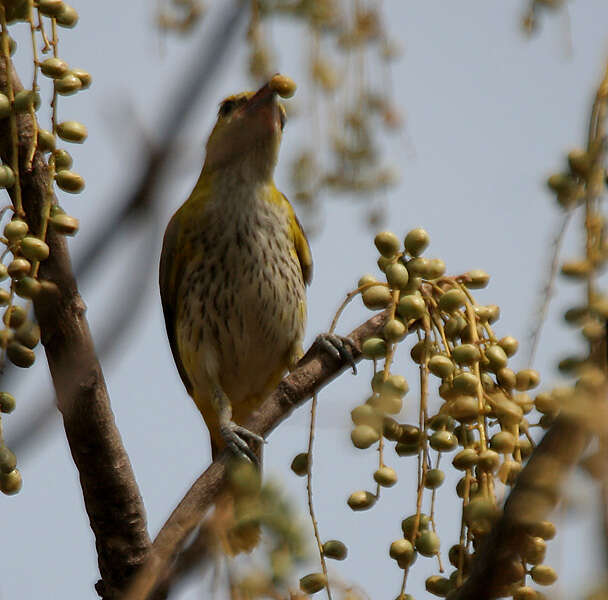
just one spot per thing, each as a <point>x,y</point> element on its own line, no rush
<point>263,108</point>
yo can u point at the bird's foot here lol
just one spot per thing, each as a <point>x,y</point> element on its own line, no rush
<point>236,438</point>
<point>340,347</point>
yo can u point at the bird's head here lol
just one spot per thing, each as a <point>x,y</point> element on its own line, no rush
<point>246,138</point>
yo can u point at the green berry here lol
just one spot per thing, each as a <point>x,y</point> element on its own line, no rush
<point>408,524</point>
<point>385,476</point>
<point>84,76</point>
<point>10,483</point>
<point>397,276</point>
<point>67,85</point>
<point>72,131</point>
<point>46,140</point>
<point>361,500</point>
<point>441,366</point>
<point>434,478</point>
<point>394,331</point>
<point>8,461</point>
<point>7,403</point>
<point>15,230</point>
<point>20,355</point>
<point>64,224</point>
<point>335,549</point>
<point>68,17</point>
<point>374,347</point>
<point>387,243</point>
<point>466,354</point>
<point>313,583</point>
<point>299,465</point>
<point>416,241</point>
<point>402,551</point>
<point>411,306</point>
<point>54,67</point>
<point>7,177</point>
<point>18,268</point>
<point>443,441</point>
<point>465,459</point>
<point>34,249</point>
<point>69,181</point>
<point>428,543</point>
<point>452,300</point>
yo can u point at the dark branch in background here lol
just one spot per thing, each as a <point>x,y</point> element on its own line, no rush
<point>533,497</point>
<point>111,496</point>
<point>110,492</point>
<point>141,201</point>
<point>315,370</point>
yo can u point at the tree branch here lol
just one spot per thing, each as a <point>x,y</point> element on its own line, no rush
<point>315,370</point>
<point>111,495</point>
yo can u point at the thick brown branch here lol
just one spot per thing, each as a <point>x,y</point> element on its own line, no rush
<point>532,499</point>
<point>111,495</point>
<point>315,371</point>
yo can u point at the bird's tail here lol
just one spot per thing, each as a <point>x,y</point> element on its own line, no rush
<point>237,509</point>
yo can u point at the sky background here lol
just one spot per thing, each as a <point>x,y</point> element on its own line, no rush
<point>489,114</point>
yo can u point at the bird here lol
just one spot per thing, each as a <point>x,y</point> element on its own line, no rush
<point>234,268</point>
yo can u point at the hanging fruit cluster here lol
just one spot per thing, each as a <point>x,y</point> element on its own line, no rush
<point>479,419</point>
<point>24,248</point>
<point>350,101</point>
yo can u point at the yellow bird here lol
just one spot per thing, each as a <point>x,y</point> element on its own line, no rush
<point>233,270</point>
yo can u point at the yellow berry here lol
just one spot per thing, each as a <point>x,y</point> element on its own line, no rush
<point>284,86</point>
<point>543,575</point>
<point>476,279</point>
<point>363,436</point>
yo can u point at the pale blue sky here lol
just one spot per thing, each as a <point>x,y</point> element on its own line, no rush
<point>489,115</point>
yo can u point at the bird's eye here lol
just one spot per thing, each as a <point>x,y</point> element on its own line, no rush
<point>227,107</point>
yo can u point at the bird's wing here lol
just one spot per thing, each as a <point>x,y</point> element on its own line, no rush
<point>171,272</point>
<point>300,242</point>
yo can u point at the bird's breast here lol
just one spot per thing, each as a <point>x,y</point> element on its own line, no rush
<point>243,298</point>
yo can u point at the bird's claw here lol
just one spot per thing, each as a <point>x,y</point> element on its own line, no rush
<point>340,347</point>
<point>236,437</point>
